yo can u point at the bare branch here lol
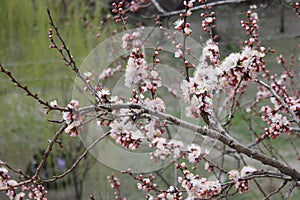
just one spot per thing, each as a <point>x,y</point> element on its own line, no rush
<point>75,164</point>
<point>158,7</point>
<point>290,190</point>
<point>28,92</point>
<point>275,191</point>
<point>69,60</point>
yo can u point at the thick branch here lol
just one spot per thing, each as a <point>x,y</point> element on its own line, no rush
<point>220,136</point>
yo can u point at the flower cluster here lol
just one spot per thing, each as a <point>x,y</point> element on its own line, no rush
<point>73,119</point>
<point>241,183</point>
<point>165,149</point>
<point>109,72</point>
<point>37,192</point>
<point>155,104</point>
<point>194,153</point>
<point>153,129</point>
<point>197,187</point>
<point>197,91</point>
<point>138,73</point>
<point>131,41</point>
<point>124,131</point>
<point>4,177</point>
<point>242,65</point>
<point>277,122</point>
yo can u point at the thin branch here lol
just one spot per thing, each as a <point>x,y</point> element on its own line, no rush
<point>28,92</point>
<point>217,3</point>
<point>75,164</point>
<point>275,191</point>
<point>48,151</point>
<point>70,60</point>
<point>232,108</point>
<point>290,190</point>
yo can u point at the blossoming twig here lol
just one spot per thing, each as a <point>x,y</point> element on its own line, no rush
<point>295,118</point>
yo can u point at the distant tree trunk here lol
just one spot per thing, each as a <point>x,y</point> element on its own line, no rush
<point>282,18</point>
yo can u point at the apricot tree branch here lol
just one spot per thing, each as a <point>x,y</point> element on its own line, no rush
<point>205,131</point>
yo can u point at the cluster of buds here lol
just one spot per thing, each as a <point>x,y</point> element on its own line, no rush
<point>146,183</point>
<point>135,5</point>
<point>73,119</point>
<point>155,58</point>
<point>119,12</point>
<point>115,185</point>
<point>251,27</point>
<point>278,124</point>
<point>296,7</point>
<point>50,36</point>
<point>209,21</point>
<point>88,77</point>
